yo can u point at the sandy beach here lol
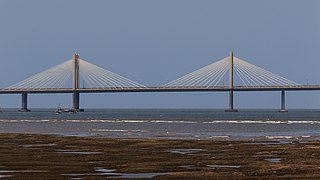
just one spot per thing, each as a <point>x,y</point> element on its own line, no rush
<point>28,156</point>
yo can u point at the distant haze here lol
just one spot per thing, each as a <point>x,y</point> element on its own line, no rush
<point>155,41</point>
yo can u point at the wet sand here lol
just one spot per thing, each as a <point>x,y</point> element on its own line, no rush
<point>26,156</point>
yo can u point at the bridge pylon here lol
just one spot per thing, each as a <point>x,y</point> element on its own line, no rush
<point>75,83</point>
<point>231,102</point>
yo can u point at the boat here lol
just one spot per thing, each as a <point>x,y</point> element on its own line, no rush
<point>59,110</point>
<point>67,110</point>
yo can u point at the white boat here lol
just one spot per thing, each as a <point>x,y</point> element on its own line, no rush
<point>59,110</point>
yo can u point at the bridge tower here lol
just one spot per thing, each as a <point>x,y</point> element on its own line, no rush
<point>75,83</point>
<point>231,109</point>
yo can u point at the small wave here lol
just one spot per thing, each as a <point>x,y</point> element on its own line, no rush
<point>158,121</point>
<point>279,137</point>
<point>117,130</point>
<point>94,121</point>
<point>303,122</point>
<point>305,136</point>
<point>162,121</point>
<point>126,121</point>
<point>214,137</point>
<point>263,122</point>
<point>23,120</point>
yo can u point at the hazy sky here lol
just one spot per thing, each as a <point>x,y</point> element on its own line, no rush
<point>154,41</point>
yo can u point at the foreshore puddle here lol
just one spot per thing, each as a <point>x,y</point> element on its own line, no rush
<point>223,166</point>
<point>210,166</point>
<point>138,176</point>
<point>18,171</point>
<point>185,151</point>
<point>103,170</point>
<point>79,174</point>
<point>5,176</point>
<point>267,143</point>
<point>22,171</point>
<point>82,153</point>
<point>273,160</point>
<point>95,162</point>
<point>111,174</point>
<point>38,145</point>
<point>187,167</point>
<point>78,152</point>
<point>99,173</point>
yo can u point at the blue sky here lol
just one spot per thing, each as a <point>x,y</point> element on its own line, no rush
<point>154,41</point>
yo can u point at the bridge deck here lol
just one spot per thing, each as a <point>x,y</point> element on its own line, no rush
<point>161,89</point>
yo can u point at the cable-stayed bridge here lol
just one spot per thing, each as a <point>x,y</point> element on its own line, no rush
<point>78,76</point>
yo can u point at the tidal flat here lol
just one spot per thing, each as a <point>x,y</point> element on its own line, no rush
<point>32,156</point>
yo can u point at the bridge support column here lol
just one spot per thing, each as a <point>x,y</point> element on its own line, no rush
<point>231,85</point>
<point>75,84</point>
<point>75,102</point>
<point>283,102</point>
<point>231,107</point>
<point>24,103</point>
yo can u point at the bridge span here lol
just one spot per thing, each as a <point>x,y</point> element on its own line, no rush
<point>98,80</point>
<point>160,89</point>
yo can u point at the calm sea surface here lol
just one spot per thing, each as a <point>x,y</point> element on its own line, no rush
<point>163,123</point>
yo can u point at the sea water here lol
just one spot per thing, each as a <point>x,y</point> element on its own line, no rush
<point>167,123</point>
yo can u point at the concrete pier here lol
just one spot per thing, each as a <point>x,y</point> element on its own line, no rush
<point>24,103</point>
<point>283,102</point>
<point>231,108</point>
<point>75,101</point>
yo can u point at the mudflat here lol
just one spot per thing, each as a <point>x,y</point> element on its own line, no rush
<point>29,156</point>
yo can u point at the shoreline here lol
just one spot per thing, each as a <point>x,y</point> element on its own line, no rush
<point>38,156</point>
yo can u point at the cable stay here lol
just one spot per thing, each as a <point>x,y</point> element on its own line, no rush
<point>92,76</point>
<point>248,74</point>
<point>60,76</point>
